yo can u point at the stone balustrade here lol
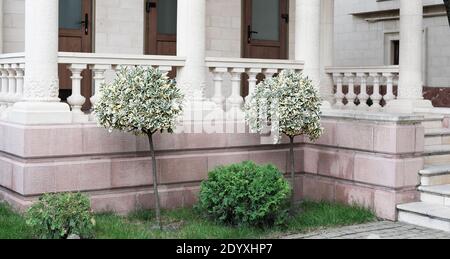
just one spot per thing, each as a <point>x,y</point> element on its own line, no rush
<point>12,71</point>
<point>364,88</point>
<point>239,69</point>
<point>100,65</point>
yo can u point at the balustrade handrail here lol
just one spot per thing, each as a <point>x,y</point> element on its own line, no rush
<point>363,69</point>
<point>12,58</point>
<point>254,63</point>
<point>380,79</point>
<point>119,59</point>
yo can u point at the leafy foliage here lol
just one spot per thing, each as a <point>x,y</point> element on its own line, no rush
<point>57,216</point>
<point>140,100</point>
<point>289,103</point>
<point>246,195</point>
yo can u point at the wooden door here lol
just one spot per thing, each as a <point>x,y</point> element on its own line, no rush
<point>265,29</point>
<point>75,35</point>
<point>161,27</point>
<point>264,32</point>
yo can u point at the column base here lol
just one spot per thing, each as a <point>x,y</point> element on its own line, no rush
<point>407,105</point>
<point>29,113</point>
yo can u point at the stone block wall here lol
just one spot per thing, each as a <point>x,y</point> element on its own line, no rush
<point>370,162</point>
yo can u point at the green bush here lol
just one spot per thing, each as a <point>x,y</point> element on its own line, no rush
<point>246,195</point>
<point>58,216</point>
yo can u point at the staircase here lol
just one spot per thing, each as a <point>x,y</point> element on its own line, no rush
<point>433,211</point>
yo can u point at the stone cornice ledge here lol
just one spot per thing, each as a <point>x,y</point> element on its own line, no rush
<point>372,116</point>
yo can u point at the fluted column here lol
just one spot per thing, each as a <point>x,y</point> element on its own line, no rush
<point>410,88</point>
<point>41,104</point>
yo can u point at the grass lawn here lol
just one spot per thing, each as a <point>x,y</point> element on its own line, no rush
<point>186,224</point>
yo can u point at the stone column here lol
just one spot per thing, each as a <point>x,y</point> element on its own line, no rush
<point>410,87</point>
<point>1,26</point>
<point>41,104</point>
<point>307,37</point>
<point>327,51</point>
<point>191,44</point>
<point>309,27</point>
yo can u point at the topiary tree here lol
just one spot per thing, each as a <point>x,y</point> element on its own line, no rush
<point>290,105</point>
<point>143,101</point>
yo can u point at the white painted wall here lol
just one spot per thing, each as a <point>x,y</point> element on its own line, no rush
<point>223,28</point>
<point>119,26</point>
<point>13,26</point>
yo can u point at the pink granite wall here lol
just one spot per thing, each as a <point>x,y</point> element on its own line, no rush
<point>373,163</point>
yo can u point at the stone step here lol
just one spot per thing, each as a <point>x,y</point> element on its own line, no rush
<point>437,154</point>
<point>437,136</point>
<point>433,122</point>
<point>435,175</point>
<point>437,194</point>
<point>425,215</point>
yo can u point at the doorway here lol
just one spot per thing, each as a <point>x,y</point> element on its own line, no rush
<point>265,32</point>
<point>265,29</point>
<point>161,27</point>
<point>75,35</point>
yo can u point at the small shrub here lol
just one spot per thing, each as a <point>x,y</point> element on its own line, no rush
<point>57,216</point>
<point>246,194</point>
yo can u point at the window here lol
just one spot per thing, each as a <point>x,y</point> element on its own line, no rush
<point>391,48</point>
<point>395,52</point>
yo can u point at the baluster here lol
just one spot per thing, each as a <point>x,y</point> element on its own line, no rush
<point>165,69</point>
<point>218,97</point>
<point>339,96</point>
<point>4,88</point>
<point>395,83</point>
<point>252,80</point>
<point>376,96</point>
<point>11,84</point>
<point>363,96</point>
<point>270,72</point>
<point>77,100</point>
<point>235,100</point>
<point>389,87</point>
<point>351,96</point>
<point>99,80</point>
<point>20,73</point>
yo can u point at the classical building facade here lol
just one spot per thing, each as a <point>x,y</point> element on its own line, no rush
<point>385,146</point>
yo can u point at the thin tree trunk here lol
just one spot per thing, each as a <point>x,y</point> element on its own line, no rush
<point>292,160</point>
<point>155,181</point>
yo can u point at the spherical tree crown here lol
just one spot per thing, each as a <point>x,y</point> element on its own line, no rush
<point>140,100</point>
<point>288,103</point>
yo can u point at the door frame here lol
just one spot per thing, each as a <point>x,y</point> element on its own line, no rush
<point>284,30</point>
